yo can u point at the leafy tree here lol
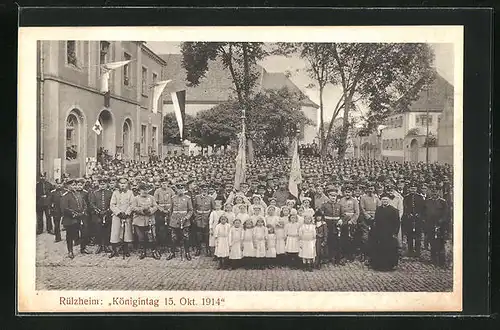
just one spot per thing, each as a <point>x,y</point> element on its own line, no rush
<point>274,118</point>
<point>385,76</point>
<point>320,68</point>
<point>171,133</point>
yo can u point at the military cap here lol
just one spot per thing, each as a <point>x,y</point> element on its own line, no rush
<point>142,186</point>
<point>123,180</point>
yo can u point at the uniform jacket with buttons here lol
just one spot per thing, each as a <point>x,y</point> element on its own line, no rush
<point>72,201</point>
<point>181,211</point>
<point>139,204</point>
<point>55,201</point>
<point>43,189</point>
<point>413,204</point>
<point>203,205</point>
<point>330,209</point>
<point>435,211</point>
<point>100,200</point>
<point>348,206</point>
<point>163,198</point>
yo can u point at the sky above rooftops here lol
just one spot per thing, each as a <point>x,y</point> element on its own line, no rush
<point>443,63</point>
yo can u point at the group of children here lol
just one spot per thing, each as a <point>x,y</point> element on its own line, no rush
<point>251,236</point>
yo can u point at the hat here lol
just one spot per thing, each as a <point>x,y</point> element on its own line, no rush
<point>142,186</point>
<point>385,195</point>
<point>123,180</point>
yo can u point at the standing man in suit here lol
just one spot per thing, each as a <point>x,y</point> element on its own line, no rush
<point>43,189</point>
<point>74,208</point>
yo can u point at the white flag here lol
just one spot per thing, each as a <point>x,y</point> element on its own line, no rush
<point>107,68</point>
<point>295,174</point>
<point>97,127</point>
<point>157,90</point>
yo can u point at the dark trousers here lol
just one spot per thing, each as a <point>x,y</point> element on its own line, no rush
<point>334,251</point>
<point>180,238</point>
<point>57,226</point>
<point>84,232</point>
<point>437,242</point>
<point>202,235</point>
<point>143,237</point>
<point>71,235</point>
<point>162,231</point>
<point>41,210</point>
<point>102,229</point>
<point>413,240</point>
<point>347,242</point>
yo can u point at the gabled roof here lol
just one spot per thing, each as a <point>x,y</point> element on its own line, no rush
<point>217,86</point>
<point>440,90</point>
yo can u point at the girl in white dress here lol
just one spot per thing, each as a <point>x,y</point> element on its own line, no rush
<point>270,247</point>
<point>307,243</point>
<point>259,238</point>
<point>300,214</point>
<point>292,240</point>
<point>290,203</point>
<point>308,210</point>
<point>279,231</point>
<point>235,243</point>
<point>213,220</point>
<point>255,212</point>
<point>242,214</point>
<point>271,217</point>
<point>221,234</point>
<point>248,243</point>
<point>285,214</point>
<point>228,211</point>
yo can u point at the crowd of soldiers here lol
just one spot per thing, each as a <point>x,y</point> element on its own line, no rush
<point>164,206</point>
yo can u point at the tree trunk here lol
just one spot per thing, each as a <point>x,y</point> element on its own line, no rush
<point>345,129</point>
<point>321,124</point>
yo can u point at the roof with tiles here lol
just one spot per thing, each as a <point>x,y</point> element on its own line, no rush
<point>217,85</point>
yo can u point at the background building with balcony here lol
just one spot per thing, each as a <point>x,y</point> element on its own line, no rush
<point>69,103</point>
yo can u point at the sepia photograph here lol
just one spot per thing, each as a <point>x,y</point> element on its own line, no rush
<point>279,165</point>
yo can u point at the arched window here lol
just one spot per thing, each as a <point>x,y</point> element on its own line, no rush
<point>72,137</point>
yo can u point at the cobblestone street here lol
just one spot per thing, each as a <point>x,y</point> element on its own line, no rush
<point>55,271</point>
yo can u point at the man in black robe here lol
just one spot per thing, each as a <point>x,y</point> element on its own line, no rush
<point>384,244</point>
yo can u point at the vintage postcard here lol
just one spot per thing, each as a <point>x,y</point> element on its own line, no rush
<point>240,169</point>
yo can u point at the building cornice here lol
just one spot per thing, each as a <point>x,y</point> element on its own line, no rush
<point>155,56</point>
<point>87,88</point>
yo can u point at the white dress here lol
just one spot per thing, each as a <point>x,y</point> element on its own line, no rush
<point>292,237</point>
<point>230,217</point>
<point>235,240</point>
<point>280,240</point>
<point>221,234</point>
<point>285,219</point>
<point>307,241</point>
<point>272,220</point>
<point>243,217</point>
<point>248,248</point>
<point>212,222</point>
<point>259,236</point>
<point>271,246</point>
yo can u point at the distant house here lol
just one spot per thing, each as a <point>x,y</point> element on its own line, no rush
<point>403,138</point>
<point>217,87</point>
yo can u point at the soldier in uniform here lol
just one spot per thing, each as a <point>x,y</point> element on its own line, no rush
<point>163,196</point>
<point>121,222</point>
<point>74,208</point>
<point>55,208</point>
<point>143,210</point>
<point>99,201</point>
<point>368,204</point>
<point>203,206</point>
<point>436,216</point>
<point>349,213</point>
<point>180,221</point>
<point>331,211</point>
<point>411,221</point>
<point>43,188</point>
<point>84,220</point>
